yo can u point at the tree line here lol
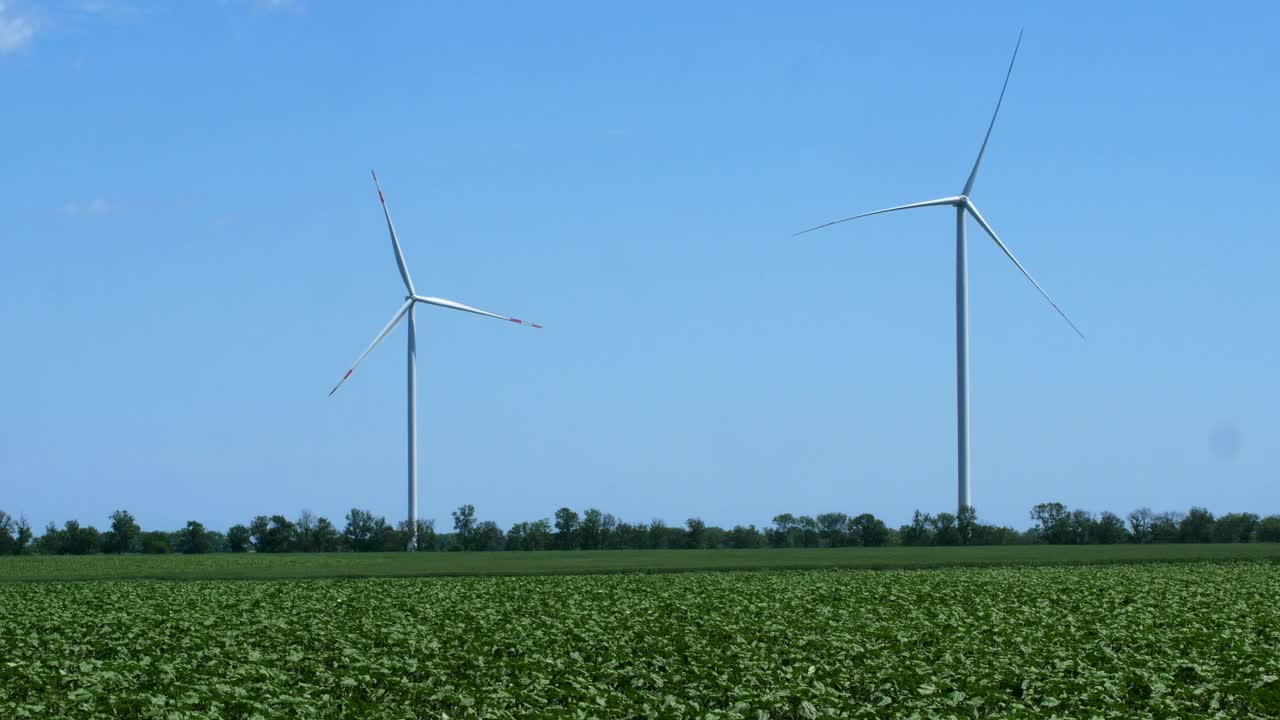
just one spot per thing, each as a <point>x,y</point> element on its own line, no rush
<point>593,529</point>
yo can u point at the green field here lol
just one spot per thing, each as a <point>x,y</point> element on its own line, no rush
<point>1123,641</point>
<point>323,565</point>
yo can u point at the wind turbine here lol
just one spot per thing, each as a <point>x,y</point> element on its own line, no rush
<point>411,301</point>
<point>963,204</point>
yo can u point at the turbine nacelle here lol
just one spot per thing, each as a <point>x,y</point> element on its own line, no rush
<point>963,202</point>
<point>965,205</point>
<point>413,298</point>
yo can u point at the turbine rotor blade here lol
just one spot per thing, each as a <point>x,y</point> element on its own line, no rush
<point>973,175</point>
<point>441,302</point>
<point>927,203</point>
<point>385,331</point>
<point>395,242</point>
<point>973,210</point>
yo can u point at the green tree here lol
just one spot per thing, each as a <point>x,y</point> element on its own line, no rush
<point>945,530</point>
<point>72,539</point>
<point>589,530</point>
<point>427,539</point>
<point>259,528</point>
<point>123,535</point>
<point>984,534</point>
<point>810,536</point>
<point>1109,529</point>
<point>743,538</point>
<point>919,532</point>
<point>529,535</point>
<point>315,534</point>
<point>50,542</point>
<point>22,535</point>
<point>272,535</point>
<point>1197,526</point>
<point>217,541</point>
<point>695,533</point>
<point>364,531</point>
<point>657,535</point>
<point>1269,529</point>
<point>625,536</point>
<point>194,539</point>
<point>8,535</point>
<point>566,529</point>
<point>1140,521</point>
<point>540,537</point>
<point>1053,523</point>
<point>1165,528</point>
<point>464,526</point>
<point>785,531</point>
<point>1082,527</point>
<point>608,531</point>
<point>386,537</point>
<point>155,542</point>
<point>238,539</point>
<point>77,540</point>
<point>833,528</point>
<point>518,536</point>
<point>325,537</point>
<point>1235,528</point>
<point>303,532</point>
<point>487,536</point>
<point>869,530</point>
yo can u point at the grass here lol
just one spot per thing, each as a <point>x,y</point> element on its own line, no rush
<point>354,565</point>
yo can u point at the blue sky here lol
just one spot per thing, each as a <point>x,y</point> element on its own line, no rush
<point>194,254</point>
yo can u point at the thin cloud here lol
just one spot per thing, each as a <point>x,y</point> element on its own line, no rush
<point>96,206</point>
<point>16,31</point>
<point>117,10</point>
<point>278,6</point>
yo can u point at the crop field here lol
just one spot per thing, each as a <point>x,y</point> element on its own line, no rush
<point>224,566</point>
<point>1123,641</point>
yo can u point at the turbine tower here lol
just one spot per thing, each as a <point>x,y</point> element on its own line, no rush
<point>411,301</point>
<point>963,204</point>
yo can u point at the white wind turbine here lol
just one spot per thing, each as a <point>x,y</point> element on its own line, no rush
<point>410,302</point>
<point>963,204</point>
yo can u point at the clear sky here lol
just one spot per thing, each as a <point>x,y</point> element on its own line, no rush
<point>193,253</point>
